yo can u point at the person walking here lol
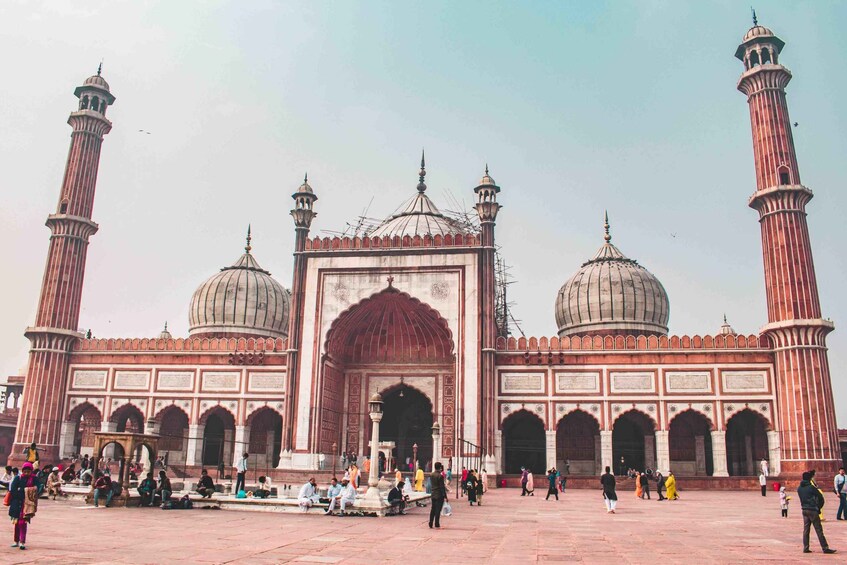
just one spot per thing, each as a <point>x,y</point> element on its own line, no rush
<point>639,490</point>
<point>644,479</point>
<point>439,493</point>
<point>530,483</point>
<point>551,478</point>
<point>23,502</point>
<point>240,473</point>
<point>660,484</point>
<point>812,501</point>
<point>471,486</point>
<point>783,501</point>
<point>670,484</point>
<point>607,481</point>
<point>763,482</point>
<point>840,486</point>
<point>524,479</point>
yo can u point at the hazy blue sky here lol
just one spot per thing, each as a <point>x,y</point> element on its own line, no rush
<point>577,107</point>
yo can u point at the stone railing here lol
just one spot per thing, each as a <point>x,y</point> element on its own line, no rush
<point>626,343</point>
<point>223,345</point>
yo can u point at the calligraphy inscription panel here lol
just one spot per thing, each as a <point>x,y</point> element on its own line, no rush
<point>632,382</point>
<point>577,382</point>
<point>267,382</point>
<point>220,381</point>
<point>134,380</point>
<point>175,380</point>
<point>522,382</point>
<point>745,381</point>
<point>90,379</point>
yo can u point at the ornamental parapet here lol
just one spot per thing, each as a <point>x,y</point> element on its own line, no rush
<point>631,343</point>
<point>389,242</point>
<point>764,77</point>
<point>221,345</point>
<point>66,225</point>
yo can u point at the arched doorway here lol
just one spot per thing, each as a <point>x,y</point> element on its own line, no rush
<point>265,433</point>
<point>577,437</point>
<point>218,434</point>
<point>407,421</point>
<point>388,343</point>
<point>128,418</point>
<point>633,442</point>
<point>524,443</point>
<point>86,419</point>
<point>746,443</point>
<point>690,444</point>
<point>173,432</point>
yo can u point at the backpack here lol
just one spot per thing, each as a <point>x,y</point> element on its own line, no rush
<point>185,503</point>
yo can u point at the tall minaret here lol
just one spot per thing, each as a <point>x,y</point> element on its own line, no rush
<point>806,410</point>
<point>56,322</point>
<point>487,208</point>
<point>303,214</point>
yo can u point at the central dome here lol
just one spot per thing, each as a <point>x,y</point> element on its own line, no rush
<point>240,300</point>
<point>419,216</point>
<point>612,295</point>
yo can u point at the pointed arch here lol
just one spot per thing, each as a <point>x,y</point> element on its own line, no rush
<point>524,442</point>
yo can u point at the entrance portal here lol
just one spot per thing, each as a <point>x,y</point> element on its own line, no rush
<point>407,421</point>
<point>524,443</point>
<point>630,448</point>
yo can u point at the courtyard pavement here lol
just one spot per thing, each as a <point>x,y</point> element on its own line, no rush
<point>702,527</point>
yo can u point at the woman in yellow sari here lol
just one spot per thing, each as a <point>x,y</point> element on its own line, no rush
<point>670,486</point>
<point>638,491</point>
<point>419,480</point>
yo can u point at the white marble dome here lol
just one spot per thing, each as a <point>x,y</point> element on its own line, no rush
<point>612,295</point>
<point>240,300</point>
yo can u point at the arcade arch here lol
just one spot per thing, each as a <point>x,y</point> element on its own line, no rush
<point>690,444</point>
<point>578,444</point>
<point>524,443</point>
<point>633,442</point>
<point>218,437</point>
<point>746,442</point>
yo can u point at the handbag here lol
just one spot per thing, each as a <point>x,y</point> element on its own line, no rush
<point>7,500</point>
<point>446,510</point>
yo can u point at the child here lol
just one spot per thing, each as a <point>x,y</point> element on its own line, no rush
<point>783,501</point>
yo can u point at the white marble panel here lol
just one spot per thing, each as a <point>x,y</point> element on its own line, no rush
<point>529,383</point>
<point>688,381</point>
<point>132,380</point>
<point>577,382</point>
<point>89,379</point>
<point>220,381</point>
<point>745,381</point>
<point>175,380</point>
<point>632,382</point>
<point>266,382</point>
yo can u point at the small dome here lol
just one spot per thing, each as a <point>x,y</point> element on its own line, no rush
<point>305,188</point>
<point>612,295</point>
<point>419,217</point>
<point>165,334</point>
<point>97,81</point>
<point>757,31</point>
<point>241,299</point>
<point>487,180</point>
<point>726,329</point>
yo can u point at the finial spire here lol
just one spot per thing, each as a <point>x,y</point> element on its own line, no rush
<point>421,183</point>
<point>306,177</point>
<point>608,236</point>
<point>724,318</point>
<point>486,168</point>
<point>247,247</point>
<point>100,68</point>
<point>166,326</point>
<point>755,19</point>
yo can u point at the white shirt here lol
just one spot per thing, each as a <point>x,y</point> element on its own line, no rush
<point>763,480</point>
<point>241,466</point>
<point>349,492</point>
<point>307,491</point>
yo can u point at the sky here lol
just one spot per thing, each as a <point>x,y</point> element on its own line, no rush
<point>577,107</point>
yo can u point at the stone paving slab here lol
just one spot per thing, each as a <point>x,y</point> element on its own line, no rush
<point>701,528</point>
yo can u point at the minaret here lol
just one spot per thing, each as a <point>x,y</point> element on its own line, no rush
<point>806,410</point>
<point>56,321</point>
<point>303,214</point>
<point>487,208</point>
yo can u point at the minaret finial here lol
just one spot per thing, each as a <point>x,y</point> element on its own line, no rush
<point>100,68</point>
<point>755,19</point>
<point>724,318</point>
<point>247,247</point>
<point>608,236</point>
<point>166,325</point>
<point>306,177</point>
<point>486,168</point>
<point>421,183</point>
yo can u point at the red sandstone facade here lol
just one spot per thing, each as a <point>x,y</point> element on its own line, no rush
<point>408,311</point>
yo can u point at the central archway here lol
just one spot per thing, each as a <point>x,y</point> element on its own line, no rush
<point>407,421</point>
<point>375,346</point>
<point>524,443</point>
<point>633,446</point>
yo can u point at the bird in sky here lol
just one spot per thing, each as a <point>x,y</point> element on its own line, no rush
<point>144,131</point>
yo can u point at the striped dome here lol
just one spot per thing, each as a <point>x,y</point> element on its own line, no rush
<point>240,300</point>
<point>612,295</point>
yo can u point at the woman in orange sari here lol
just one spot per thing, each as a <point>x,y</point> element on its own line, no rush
<point>638,490</point>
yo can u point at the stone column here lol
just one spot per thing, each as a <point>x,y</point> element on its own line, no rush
<point>66,447</point>
<point>598,456</point>
<point>749,465</point>
<point>498,442</point>
<point>229,449</point>
<point>700,455</point>
<point>194,449</point>
<point>551,449</point>
<point>649,452</point>
<point>663,460</point>
<point>774,453</point>
<point>605,450</point>
<point>242,443</point>
<point>436,449</point>
<point>719,454</point>
<point>108,426</point>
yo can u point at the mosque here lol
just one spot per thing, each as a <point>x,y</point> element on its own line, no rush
<point>407,310</point>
